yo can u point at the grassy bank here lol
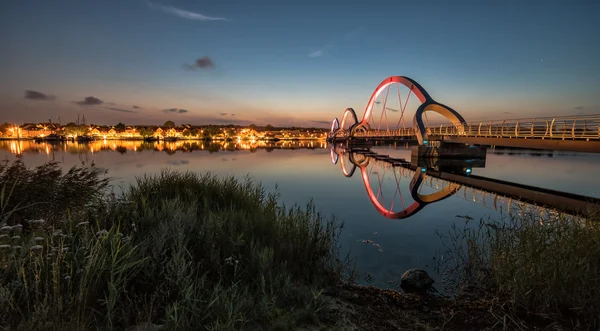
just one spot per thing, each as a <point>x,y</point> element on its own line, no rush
<point>533,272</point>
<point>195,252</point>
<point>181,250</point>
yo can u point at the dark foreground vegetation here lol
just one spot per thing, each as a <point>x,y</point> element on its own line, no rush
<point>180,251</point>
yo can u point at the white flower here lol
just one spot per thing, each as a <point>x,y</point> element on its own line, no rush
<point>102,233</point>
<point>17,228</point>
<point>36,248</point>
<point>6,228</point>
<point>39,222</point>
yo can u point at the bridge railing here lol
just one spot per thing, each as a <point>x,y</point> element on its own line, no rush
<point>404,132</point>
<point>566,127</point>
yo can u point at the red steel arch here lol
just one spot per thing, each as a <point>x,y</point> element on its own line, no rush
<point>427,104</point>
<point>411,84</point>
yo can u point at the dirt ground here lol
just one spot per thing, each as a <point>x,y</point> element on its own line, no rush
<point>366,308</point>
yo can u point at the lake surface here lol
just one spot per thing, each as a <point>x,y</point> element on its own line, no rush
<point>304,170</point>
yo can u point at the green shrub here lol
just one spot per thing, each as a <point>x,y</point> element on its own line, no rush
<point>182,250</point>
<point>537,269</point>
<point>45,192</point>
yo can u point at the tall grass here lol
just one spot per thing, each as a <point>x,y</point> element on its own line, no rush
<point>46,192</point>
<point>545,271</point>
<point>181,250</point>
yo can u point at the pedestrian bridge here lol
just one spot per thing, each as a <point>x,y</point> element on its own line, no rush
<point>385,119</point>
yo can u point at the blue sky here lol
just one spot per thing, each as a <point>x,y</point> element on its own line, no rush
<point>293,62</point>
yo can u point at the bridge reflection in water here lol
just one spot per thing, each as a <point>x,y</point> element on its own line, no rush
<point>382,174</point>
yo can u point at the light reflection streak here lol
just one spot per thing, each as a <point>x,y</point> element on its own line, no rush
<point>19,147</point>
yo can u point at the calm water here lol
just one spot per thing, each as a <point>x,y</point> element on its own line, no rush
<point>305,170</point>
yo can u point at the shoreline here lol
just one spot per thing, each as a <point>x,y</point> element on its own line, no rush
<point>163,140</point>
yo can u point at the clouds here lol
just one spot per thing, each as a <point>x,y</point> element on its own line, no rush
<point>135,107</point>
<point>321,122</point>
<point>93,101</point>
<point>315,53</point>
<point>120,110</point>
<point>225,114</point>
<point>90,101</point>
<point>175,111</point>
<point>190,15</point>
<point>201,63</point>
<point>35,95</point>
<point>347,37</point>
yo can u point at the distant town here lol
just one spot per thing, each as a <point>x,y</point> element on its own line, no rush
<point>169,131</point>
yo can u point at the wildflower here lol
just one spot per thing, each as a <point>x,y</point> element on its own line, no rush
<point>82,223</point>
<point>5,228</point>
<point>4,246</point>
<point>36,248</point>
<point>67,278</point>
<point>15,237</point>
<point>17,228</point>
<point>231,261</point>
<point>39,222</point>
<point>4,236</point>
<point>36,239</point>
<point>102,233</point>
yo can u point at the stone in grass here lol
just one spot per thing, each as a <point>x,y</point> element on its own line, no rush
<point>415,280</point>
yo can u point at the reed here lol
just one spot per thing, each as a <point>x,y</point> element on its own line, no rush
<point>181,250</point>
<point>536,270</point>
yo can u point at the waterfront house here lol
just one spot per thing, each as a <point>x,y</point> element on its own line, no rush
<point>172,132</point>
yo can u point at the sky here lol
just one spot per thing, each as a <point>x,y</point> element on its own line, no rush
<point>291,62</point>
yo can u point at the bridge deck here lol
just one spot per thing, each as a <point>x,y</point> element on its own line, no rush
<point>569,133</point>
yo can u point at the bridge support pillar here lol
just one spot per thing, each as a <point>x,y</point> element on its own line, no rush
<point>448,150</point>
